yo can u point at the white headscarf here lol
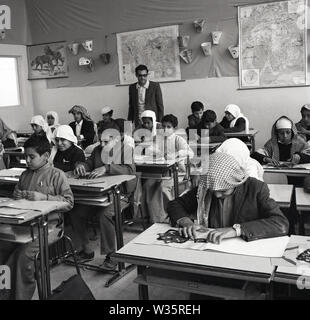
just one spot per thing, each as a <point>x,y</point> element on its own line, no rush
<point>284,123</point>
<point>66,132</point>
<point>39,120</point>
<point>236,112</point>
<point>54,114</point>
<point>150,114</point>
<point>239,150</point>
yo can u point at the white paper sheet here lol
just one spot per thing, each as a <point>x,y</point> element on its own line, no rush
<point>272,247</point>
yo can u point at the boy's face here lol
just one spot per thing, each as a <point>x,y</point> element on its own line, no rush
<point>209,125</point>
<point>284,135</point>
<point>229,116</point>
<point>50,120</point>
<point>36,128</point>
<point>168,128</point>
<point>305,114</point>
<point>198,114</point>
<point>77,116</point>
<point>224,193</point>
<point>147,123</point>
<point>34,160</point>
<point>63,144</point>
<point>106,117</point>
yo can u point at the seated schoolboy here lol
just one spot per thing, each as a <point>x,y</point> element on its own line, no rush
<point>52,120</point>
<point>214,130</point>
<point>157,192</point>
<point>6,135</point>
<point>230,202</point>
<point>109,158</point>
<point>68,153</point>
<point>195,118</point>
<point>285,145</point>
<point>82,126</point>
<point>40,181</point>
<point>107,121</point>
<point>234,120</point>
<point>303,126</point>
<point>39,127</point>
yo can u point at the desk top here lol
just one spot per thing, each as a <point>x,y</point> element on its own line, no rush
<point>194,261</point>
<point>297,170</point>
<point>302,199</point>
<point>250,133</point>
<point>281,193</point>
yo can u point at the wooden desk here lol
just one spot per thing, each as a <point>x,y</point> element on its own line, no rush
<point>302,205</point>
<point>161,168</point>
<point>281,193</point>
<point>13,152</point>
<point>38,219</point>
<point>203,263</point>
<point>244,134</point>
<point>300,170</point>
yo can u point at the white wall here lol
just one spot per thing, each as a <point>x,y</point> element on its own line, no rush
<point>261,106</point>
<point>18,117</point>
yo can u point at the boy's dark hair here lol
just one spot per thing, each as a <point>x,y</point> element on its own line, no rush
<point>141,67</point>
<point>39,143</point>
<point>170,118</point>
<point>305,107</point>
<point>208,116</point>
<point>196,106</point>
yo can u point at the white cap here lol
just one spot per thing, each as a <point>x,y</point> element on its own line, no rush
<point>284,123</point>
<point>105,110</point>
<point>66,132</point>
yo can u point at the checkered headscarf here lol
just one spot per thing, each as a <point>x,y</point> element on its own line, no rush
<point>223,173</point>
<point>82,110</point>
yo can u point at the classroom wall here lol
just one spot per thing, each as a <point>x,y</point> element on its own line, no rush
<point>18,117</point>
<point>261,106</point>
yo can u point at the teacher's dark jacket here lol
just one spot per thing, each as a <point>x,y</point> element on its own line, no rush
<point>87,130</point>
<point>153,101</point>
<point>259,215</point>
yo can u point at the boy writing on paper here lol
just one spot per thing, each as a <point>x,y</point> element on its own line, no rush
<point>112,157</point>
<point>40,181</point>
<point>230,202</point>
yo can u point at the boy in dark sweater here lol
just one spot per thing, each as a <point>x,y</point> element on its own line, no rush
<point>209,123</point>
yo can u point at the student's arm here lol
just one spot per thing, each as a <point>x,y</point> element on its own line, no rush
<point>258,157</point>
<point>272,223</point>
<point>239,126</point>
<point>159,102</point>
<point>115,169</point>
<point>86,166</point>
<point>183,207</point>
<point>184,149</point>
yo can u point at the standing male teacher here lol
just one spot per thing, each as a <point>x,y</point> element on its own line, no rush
<point>144,95</point>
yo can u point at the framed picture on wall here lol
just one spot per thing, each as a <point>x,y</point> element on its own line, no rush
<point>47,60</point>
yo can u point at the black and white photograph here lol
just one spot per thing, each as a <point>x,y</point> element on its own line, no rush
<point>155,154</point>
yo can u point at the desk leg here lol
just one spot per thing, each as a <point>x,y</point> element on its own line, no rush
<point>253,144</point>
<point>175,170</point>
<point>46,256</point>
<point>42,257</point>
<point>122,271</point>
<point>301,224</point>
<point>143,289</point>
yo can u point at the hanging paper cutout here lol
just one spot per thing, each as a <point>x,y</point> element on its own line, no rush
<point>216,35</point>
<point>206,48</point>
<point>183,41</point>
<point>88,45</point>
<point>186,55</point>
<point>199,25</point>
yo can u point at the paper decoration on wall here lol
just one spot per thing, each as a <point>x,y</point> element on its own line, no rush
<point>88,45</point>
<point>206,48</point>
<point>216,35</point>
<point>87,62</point>
<point>2,34</point>
<point>234,51</point>
<point>183,41</point>
<point>186,55</point>
<point>199,25</point>
<point>74,48</point>
<point>105,58</point>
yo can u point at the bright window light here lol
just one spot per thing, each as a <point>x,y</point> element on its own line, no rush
<point>9,88</point>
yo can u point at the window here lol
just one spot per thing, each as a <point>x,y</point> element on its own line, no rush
<point>9,88</point>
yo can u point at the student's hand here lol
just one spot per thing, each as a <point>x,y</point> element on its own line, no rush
<point>98,172</point>
<point>80,170</point>
<point>295,158</point>
<point>187,228</point>
<point>303,130</point>
<point>35,196</point>
<point>19,194</point>
<point>217,235</point>
<point>272,161</point>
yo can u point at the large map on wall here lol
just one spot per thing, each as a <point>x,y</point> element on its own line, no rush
<point>157,48</point>
<point>273,44</point>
